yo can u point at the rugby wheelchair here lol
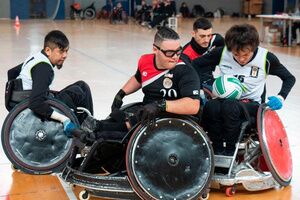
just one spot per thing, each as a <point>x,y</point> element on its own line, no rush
<point>170,158</point>
<point>262,157</point>
<point>173,159</point>
<point>261,160</point>
<point>32,144</point>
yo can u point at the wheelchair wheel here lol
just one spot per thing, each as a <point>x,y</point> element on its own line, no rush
<point>275,145</point>
<point>89,13</point>
<point>172,160</point>
<point>33,145</point>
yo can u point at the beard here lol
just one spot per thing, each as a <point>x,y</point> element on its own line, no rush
<point>59,66</point>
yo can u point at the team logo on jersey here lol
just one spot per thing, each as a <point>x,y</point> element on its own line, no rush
<point>167,83</point>
<point>254,71</point>
<point>144,73</point>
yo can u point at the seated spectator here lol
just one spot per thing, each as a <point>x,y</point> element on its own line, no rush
<point>118,14</point>
<point>161,12</point>
<point>295,26</point>
<point>144,13</point>
<point>184,10</point>
<point>105,11</point>
<point>173,5</point>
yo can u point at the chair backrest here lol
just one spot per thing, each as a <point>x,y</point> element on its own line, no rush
<point>14,93</point>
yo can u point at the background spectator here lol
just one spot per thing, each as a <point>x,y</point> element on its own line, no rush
<point>184,10</point>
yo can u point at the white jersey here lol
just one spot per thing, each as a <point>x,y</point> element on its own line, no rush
<point>252,75</point>
<point>27,66</point>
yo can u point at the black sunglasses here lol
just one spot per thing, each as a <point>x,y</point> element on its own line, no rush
<point>169,53</point>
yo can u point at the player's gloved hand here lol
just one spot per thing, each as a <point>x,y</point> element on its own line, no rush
<point>89,138</point>
<point>86,137</point>
<point>118,115</point>
<point>117,103</point>
<point>275,102</point>
<point>69,127</point>
<point>149,112</point>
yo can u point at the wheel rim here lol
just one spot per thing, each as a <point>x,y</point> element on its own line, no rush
<point>37,146</point>
<point>182,165</point>
<point>275,146</point>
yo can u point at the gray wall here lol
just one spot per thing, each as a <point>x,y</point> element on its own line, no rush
<point>268,4</point>
<point>228,6</point>
<point>4,8</point>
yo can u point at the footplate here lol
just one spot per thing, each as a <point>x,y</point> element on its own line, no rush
<point>109,186</point>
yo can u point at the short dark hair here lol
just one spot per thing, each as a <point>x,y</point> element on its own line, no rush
<point>55,39</point>
<point>165,33</point>
<point>202,23</point>
<point>240,36</point>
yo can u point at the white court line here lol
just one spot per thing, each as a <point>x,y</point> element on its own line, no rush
<point>67,188</point>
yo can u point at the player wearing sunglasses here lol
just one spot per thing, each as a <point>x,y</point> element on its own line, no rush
<point>168,86</point>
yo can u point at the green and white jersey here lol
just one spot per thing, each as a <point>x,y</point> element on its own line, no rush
<point>252,75</point>
<point>28,65</point>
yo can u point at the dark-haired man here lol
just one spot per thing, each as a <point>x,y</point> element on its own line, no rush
<point>37,74</point>
<point>203,40</point>
<point>243,58</point>
<point>168,86</point>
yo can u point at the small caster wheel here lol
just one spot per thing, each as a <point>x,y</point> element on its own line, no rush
<point>230,191</point>
<point>14,168</point>
<point>84,195</point>
<point>204,196</point>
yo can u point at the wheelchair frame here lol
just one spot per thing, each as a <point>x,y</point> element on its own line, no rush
<point>250,165</point>
<point>122,184</point>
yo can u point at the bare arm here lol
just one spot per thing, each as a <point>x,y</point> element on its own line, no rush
<point>183,106</point>
<point>131,86</point>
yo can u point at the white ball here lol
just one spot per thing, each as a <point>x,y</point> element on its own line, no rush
<point>227,87</point>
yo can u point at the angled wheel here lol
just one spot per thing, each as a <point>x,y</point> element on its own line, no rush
<point>33,145</point>
<point>172,160</point>
<point>275,145</point>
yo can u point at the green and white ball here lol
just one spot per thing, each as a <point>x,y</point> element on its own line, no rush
<point>227,87</point>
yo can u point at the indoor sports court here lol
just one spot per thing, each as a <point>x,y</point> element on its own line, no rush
<point>105,56</point>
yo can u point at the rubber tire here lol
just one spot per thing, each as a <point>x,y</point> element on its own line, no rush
<point>6,132</point>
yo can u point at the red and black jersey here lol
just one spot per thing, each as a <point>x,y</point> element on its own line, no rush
<point>181,81</point>
<point>193,50</point>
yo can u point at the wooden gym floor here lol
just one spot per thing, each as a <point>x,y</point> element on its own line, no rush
<point>105,56</point>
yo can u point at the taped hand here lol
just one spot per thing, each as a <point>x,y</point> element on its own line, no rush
<point>275,102</point>
<point>117,103</point>
<point>69,127</point>
<point>149,112</point>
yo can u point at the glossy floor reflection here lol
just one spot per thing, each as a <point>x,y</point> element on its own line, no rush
<point>105,56</point>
